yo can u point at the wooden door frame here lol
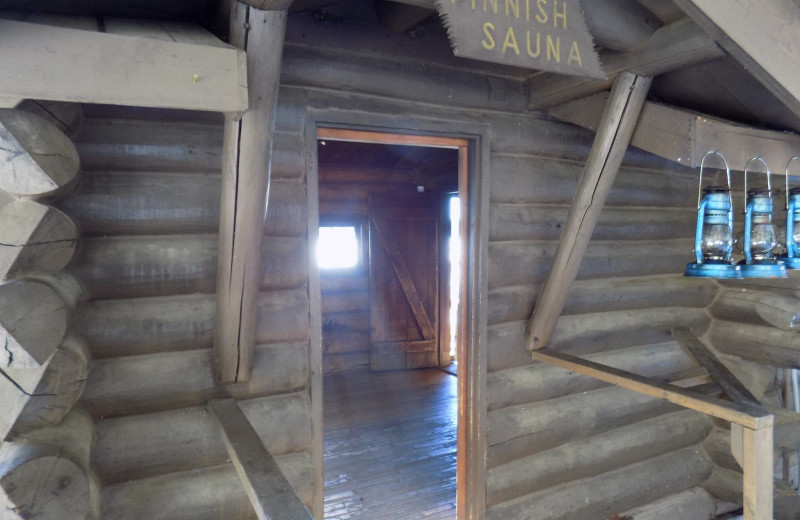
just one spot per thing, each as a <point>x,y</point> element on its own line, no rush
<point>473,144</point>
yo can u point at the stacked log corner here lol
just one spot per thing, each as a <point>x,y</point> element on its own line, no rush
<point>45,443</point>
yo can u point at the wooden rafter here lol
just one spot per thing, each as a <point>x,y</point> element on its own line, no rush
<point>675,46</point>
<point>59,64</point>
<point>761,35</point>
<point>606,155</point>
<point>684,136</point>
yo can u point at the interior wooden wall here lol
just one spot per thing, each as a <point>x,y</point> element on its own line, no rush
<point>343,198</point>
<point>148,207</point>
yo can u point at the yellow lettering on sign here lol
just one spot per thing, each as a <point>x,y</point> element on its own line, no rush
<point>553,49</point>
<point>542,16</point>
<point>510,41</point>
<point>574,55</point>
<point>488,42</point>
<point>527,10</point>
<point>512,8</point>
<point>538,44</point>
<point>487,3</point>
<point>562,15</point>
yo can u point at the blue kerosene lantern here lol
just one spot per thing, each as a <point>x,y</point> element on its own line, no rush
<point>792,258</point>
<point>713,242</point>
<point>760,237</point>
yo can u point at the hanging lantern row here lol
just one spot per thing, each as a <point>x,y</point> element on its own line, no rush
<point>713,244</point>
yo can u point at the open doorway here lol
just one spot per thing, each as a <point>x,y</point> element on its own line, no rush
<point>390,286</point>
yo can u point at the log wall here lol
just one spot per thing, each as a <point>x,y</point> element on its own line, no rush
<point>148,207</point>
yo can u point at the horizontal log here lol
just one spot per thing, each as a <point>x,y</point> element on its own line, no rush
<point>332,363</point>
<point>349,174</point>
<point>200,494</point>
<point>522,430</point>
<point>287,209</point>
<point>64,116</point>
<point>762,345</point>
<point>345,343</point>
<point>607,294</point>
<point>33,321</point>
<point>582,334</point>
<point>345,301</point>
<point>693,503</point>
<point>785,286</point>
<point>528,180</point>
<point>330,285</point>
<point>146,203</point>
<point>283,316</point>
<point>284,263</point>
<point>142,145</point>
<point>512,132</point>
<point>43,396</point>
<point>544,222</point>
<point>361,191</point>
<point>613,492</point>
<point>382,77</point>
<point>541,381</point>
<point>117,327</point>
<point>717,446</point>
<point>595,455</point>
<point>757,307</point>
<point>337,323</point>
<point>46,475</point>
<point>725,484</point>
<point>141,446</point>
<point>156,382</point>
<point>128,267</point>
<point>343,208</point>
<point>288,156</point>
<point>527,262</point>
<point>35,238</point>
<point>37,158</point>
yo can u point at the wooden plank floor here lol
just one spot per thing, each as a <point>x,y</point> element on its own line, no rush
<point>390,445</point>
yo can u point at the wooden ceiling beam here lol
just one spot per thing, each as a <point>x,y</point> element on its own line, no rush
<point>58,64</point>
<point>672,47</point>
<point>761,35</point>
<point>684,136</point>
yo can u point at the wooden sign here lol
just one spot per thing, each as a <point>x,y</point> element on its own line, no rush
<point>537,34</point>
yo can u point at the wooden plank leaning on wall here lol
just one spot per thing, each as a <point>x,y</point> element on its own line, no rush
<point>246,164</point>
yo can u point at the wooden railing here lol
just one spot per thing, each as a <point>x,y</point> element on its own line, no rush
<point>272,496</point>
<point>751,423</point>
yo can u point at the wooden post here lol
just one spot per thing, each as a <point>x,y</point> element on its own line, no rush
<point>247,155</point>
<point>617,124</point>
<point>757,469</point>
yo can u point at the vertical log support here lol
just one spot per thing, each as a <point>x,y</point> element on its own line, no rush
<point>614,135</point>
<point>757,470</point>
<point>247,155</point>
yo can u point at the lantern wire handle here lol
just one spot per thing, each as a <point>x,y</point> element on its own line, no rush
<point>727,173</point>
<point>786,173</point>
<point>769,176</point>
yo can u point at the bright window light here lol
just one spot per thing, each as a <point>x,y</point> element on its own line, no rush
<point>337,247</point>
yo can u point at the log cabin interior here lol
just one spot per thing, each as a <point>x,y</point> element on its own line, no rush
<point>175,348</point>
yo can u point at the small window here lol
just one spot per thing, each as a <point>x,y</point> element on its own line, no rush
<point>338,247</point>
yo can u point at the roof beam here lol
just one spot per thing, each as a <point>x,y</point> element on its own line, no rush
<point>761,35</point>
<point>618,120</point>
<point>59,64</point>
<point>684,136</point>
<point>678,45</point>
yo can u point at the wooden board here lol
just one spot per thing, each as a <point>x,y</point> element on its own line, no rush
<point>60,64</point>
<point>270,493</point>
<point>404,281</point>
